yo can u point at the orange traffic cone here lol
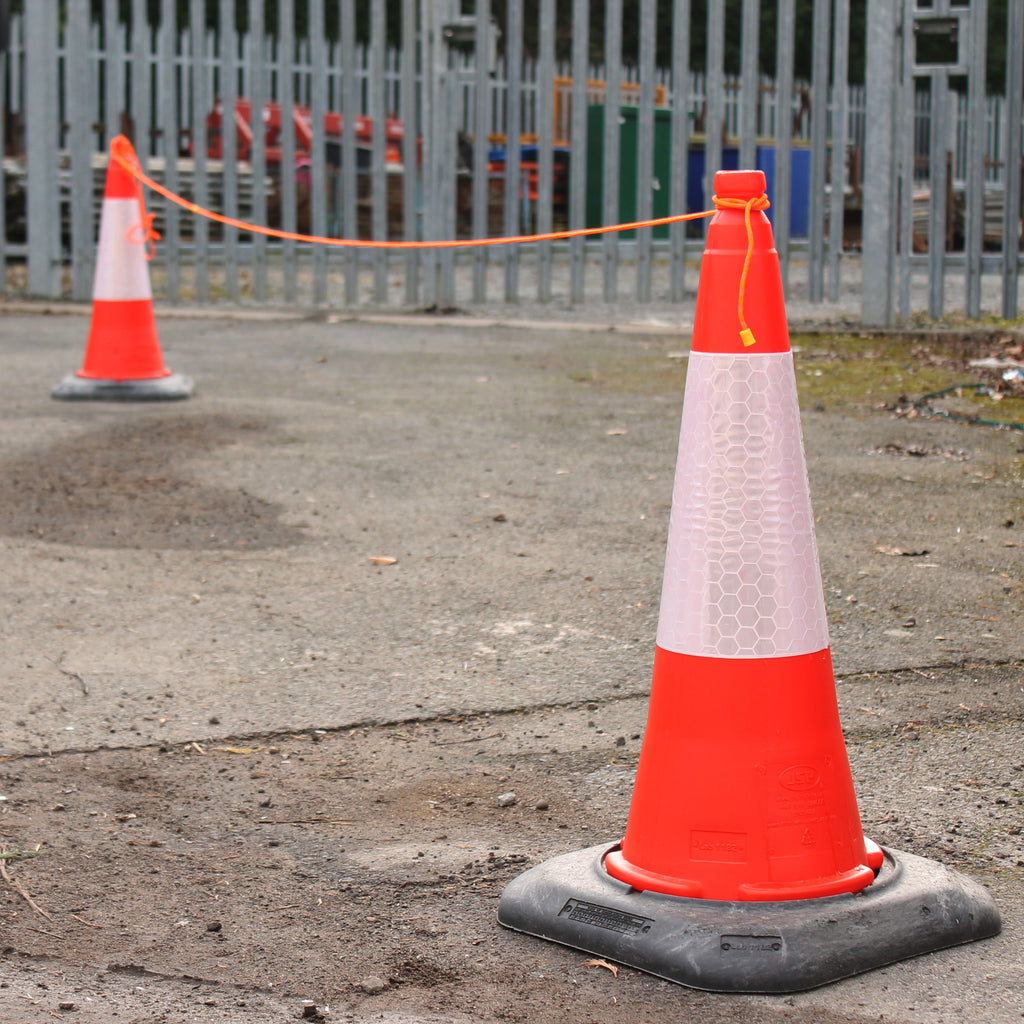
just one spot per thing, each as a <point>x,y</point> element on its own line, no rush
<point>122,354</point>
<point>744,866</point>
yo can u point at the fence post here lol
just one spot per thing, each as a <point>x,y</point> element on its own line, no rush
<point>714,101</point>
<point>905,151</point>
<point>1011,206</point>
<point>612,145</point>
<point>577,168</point>
<point>783,198</point>
<point>680,142</point>
<point>481,174</point>
<point>409,111</point>
<point>974,212</point>
<point>80,143</point>
<point>545,144</point>
<point>318,181</point>
<point>819,148</point>
<point>41,129</point>
<point>879,163</point>
<point>227,52</point>
<point>514,178</point>
<point>142,137</point>
<point>840,135</point>
<point>200,185</point>
<point>378,111</point>
<point>347,177</point>
<point>645,155</point>
<point>749,83</point>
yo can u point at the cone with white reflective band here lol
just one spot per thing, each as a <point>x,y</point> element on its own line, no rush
<point>744,866</point>
<point>122,355</point>
<point>743,675</point>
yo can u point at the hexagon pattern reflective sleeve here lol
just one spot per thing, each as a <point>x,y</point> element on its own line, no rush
<point>741,570</point>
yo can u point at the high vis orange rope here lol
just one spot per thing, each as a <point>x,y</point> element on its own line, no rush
<point>121,150</point>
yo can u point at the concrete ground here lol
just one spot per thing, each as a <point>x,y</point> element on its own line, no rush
<point>432,552</point>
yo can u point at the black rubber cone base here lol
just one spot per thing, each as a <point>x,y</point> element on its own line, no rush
<point>914,906</point>
<point>149,389</point>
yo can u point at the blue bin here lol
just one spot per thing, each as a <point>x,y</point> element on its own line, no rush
<point>800,185</point>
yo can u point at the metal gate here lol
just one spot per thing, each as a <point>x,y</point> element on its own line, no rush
<point>943,171</point>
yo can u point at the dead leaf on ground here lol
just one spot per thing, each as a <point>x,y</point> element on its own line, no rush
<point>616,432</point>
<point>887,549</point>
<point>383,560</point>
<point>238,750</point>
<point>602,963</point>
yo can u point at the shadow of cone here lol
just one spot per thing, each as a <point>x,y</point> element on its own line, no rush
<point>744,866</point>
<point>122,355</point>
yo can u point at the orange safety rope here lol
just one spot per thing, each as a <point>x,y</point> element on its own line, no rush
<point>121,150</point>
<point>129,161</point>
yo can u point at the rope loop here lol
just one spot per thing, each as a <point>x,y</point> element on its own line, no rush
<point>143,232</point>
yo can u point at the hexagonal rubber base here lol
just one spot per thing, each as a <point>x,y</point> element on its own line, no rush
<point>914,906</point>
<point>150,389</point>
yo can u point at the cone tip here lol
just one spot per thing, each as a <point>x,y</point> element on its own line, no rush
<point>740,184</point>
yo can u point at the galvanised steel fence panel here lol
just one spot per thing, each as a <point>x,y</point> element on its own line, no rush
<point>954,175</point>
<point>448,124</point>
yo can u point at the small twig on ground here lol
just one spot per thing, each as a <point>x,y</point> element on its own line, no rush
<point>88,924</point>
<point>5,855</point>
<point>470,739</point>
<point>310,821</point>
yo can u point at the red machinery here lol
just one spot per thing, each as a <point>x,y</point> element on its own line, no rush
<point>302,119</point>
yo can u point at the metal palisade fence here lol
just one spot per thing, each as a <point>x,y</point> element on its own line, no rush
<point>426,120</point>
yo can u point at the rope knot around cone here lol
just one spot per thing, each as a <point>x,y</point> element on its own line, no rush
<point>760,202</point>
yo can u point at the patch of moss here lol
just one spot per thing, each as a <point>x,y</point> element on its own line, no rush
<point>853,372</point>
<point>847,371</point>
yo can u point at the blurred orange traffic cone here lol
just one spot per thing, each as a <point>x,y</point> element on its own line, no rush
<point>744,866</point>
<point>122,355</point>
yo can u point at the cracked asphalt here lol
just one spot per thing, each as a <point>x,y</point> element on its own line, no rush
<point>273,654</point>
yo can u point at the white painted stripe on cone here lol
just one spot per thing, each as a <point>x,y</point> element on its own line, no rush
<point>741,573</point>
<point>121,270</point>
